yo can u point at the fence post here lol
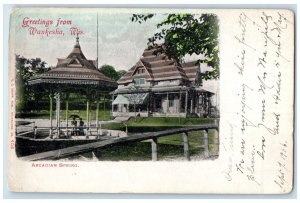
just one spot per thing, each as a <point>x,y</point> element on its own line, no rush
<point>35,131</point>
<point>185,140</point>
<point>205,143</point>
<point>154,148</point>
<point>216,138</point>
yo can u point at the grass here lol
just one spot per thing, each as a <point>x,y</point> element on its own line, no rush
<point>167,121</point>
<point>169,147</point>
<point>151,124</point>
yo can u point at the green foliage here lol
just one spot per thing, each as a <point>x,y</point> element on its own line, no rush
<point>121,73</point>
<point>111,72</point>
<point>141,17</point>
<point>188,34</point>
<point>25,69</point>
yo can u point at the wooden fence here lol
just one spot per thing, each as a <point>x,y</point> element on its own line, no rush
<point>153,136</point>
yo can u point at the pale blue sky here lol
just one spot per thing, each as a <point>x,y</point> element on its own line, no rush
<point>121,42</point>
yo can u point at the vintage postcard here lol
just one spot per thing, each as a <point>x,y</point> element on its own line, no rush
<point>183,101</point>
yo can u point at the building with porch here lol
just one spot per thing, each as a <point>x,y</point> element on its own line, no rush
<point>159,86</point>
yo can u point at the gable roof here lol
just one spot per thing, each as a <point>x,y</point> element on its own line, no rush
<point>159,67</point>
<point>192,70</point>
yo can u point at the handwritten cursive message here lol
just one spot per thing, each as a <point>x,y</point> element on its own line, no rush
<point>261,58</point>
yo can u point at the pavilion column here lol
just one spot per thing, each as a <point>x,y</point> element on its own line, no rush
<point>87,117</point>
<point>112,106</point>
<point>57,96</point>
<point>97,115</point>
<point>103,106</point>
<point>51,114</point>
<point>67,109</point>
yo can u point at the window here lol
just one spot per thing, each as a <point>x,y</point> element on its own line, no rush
<point>140,71</point>
<point>142,81</point>
<point>139,81</point>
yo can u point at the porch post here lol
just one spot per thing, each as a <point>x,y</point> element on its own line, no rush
<point>179,103</point>
<point>51,114</point>
<point>209,105</point>
<point>196,102</point>
<point>167,102</point>
<point>186,101</point>
<point>192,105</point>
<point>148,104</point>
<point>153,104</point>
<point>154,148</point>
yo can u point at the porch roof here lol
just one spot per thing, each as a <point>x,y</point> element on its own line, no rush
<point>139,98</point>
<point>204,91</point>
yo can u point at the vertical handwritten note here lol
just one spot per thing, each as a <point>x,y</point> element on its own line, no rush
<point>259,117</point>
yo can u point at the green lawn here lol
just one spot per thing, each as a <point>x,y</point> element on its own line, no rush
<point>150,124</point>
<point>168,147</point>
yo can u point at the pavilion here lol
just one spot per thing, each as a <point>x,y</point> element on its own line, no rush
<point>73,74</point>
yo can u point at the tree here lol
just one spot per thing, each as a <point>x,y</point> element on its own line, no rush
<point>188,34</point>
<point>25,69</point>
<point>111,72</point>
<point>121,73</point>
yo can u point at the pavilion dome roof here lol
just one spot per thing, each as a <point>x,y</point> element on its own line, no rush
<point>75,68</point>
<point>77,51</point>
